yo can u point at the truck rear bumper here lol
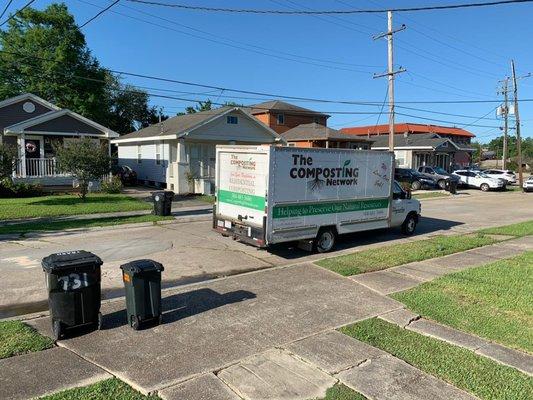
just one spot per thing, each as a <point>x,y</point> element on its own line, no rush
<point>249,234</point>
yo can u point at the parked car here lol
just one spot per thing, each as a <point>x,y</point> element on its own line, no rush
<point>528,184</point>
<point>126,174</point>
<point>479,180</point>
<point>505,174</point>
<point>439,174</point>
<point>415,179</point>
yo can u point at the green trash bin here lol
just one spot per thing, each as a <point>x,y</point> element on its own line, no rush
<point>142,281</point>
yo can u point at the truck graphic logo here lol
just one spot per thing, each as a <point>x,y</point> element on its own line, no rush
<point>318,177</point>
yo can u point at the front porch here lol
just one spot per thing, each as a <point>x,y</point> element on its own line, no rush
<point>40,170</point>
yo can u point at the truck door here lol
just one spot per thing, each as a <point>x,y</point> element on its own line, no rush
<point>398,205</point>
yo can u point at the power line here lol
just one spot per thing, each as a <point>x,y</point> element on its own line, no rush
<point>98,14</point>
<point>5,8</point>
<point>327,12</point>
<point>280,96</point>
<point>446,122</point>
<point>29,3</point>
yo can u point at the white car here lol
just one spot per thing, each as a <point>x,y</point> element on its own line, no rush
<point>479,180</point>
<point>506,174</point>
<point>528,184</point>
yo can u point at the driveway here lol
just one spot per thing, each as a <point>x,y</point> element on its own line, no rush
<point>190,251</point>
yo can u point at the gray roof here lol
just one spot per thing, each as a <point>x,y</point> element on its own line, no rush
<point>419,140</point>
<point>316,131</point>
<point>281,106</point>
<point>176,125</point>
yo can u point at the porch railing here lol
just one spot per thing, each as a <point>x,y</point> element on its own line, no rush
<point>37,168</point>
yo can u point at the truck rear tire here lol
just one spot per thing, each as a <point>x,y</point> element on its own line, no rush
<point>325,240</point>
<point>409,225</point>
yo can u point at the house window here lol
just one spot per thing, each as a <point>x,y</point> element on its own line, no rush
<point>158,153</point>
<point>232,119</point>
<point>139,154</point>
<point>281,119</point>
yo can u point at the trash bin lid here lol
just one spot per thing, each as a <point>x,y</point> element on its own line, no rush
<point>140,266</point>
<point>68,259</point>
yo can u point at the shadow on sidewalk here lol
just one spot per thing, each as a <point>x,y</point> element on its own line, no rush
<point>184,305</point>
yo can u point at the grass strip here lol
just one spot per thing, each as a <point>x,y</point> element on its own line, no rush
<point>494,301</point>
<point>520,229</point>
<point>69,204</point>
<point>109,389</point>
<point>429,195</point>
<point>342,392</point>
<point>398,254</point>
<point>18,338</point>
<point>462,368</point>
<point>40,226</point>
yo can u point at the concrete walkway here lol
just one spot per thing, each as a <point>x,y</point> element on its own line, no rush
<point>262,335</point>
<point>497,352</point>
<point>407,276</point>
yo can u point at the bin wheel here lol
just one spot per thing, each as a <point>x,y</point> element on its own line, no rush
<point>58,329</point>
<point>99,323</point>
<point>134,322</point>
<point>160,319</point>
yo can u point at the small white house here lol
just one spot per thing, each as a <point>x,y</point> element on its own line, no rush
<point>179,153</point>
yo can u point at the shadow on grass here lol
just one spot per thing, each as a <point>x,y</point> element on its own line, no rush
<point>76,200</point>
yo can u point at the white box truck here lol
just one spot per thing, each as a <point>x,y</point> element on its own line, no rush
<point>271,194</point>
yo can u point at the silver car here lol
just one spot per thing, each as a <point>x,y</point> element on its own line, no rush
<point>528,184</point>
<point>504,174</point>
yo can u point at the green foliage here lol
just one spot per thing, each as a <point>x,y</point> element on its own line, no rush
<point>519,229</point>
<point>201,106</point>
<point>8,159</point>
<point>104,390</point>
<point>111,186</point>
<point>45,53</point>
<point>462,368</point>
<point>342,392</point>
<point>85,160</point>
<point>494,301</point>
<point>18,338</point>
<point>390,256</point>
<point>527,147</point>
<point>8,189</point>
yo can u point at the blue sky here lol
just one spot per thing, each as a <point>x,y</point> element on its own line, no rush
<point>450,55</point>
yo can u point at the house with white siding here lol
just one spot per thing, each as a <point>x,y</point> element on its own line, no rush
<point>179,153</point>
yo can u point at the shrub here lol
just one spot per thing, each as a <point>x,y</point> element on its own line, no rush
<point>111,186</point>
<point>9,189</point>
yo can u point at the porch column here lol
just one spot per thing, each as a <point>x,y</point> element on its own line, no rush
<point>21,142</point>
<point>183,186</point>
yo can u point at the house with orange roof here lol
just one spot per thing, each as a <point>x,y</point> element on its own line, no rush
<point>420,144</point>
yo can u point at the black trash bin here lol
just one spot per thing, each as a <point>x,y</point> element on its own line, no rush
<point>73,282</point>
<point>163,202</point>
<point>142,281</point>
<point>451,186</point>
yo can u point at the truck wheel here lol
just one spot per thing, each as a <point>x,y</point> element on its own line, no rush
<point>325,240</point>
<point>416,185</point>
<point>409,225</point>
<point>442,184</point>
<point>484,187</point>
<point>58,330</point>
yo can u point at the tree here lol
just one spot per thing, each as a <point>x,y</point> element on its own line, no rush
<point>45,53</point>
<point>8,159</point>
<point>201,106</point>
<point>84,160</point>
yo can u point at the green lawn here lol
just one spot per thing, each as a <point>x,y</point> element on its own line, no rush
<point>18,338</point>
<point>462,368</point>
<point>494,301</point>
<point>430,195</point>
<point>341,392</point>
<point>398,254</point>
<point>83,223</point>
<point>69,204</point>
<point>110,389</point>
<point>519,229</point>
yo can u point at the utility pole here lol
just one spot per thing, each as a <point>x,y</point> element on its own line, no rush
<point>517,121</point>
<point>505,112</point>
<point>390,73</point>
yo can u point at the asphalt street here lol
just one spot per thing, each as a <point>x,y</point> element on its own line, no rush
<point>191,251</point>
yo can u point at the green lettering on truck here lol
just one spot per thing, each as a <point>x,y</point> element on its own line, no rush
<point>242,199</point>
<point>302,210</point>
